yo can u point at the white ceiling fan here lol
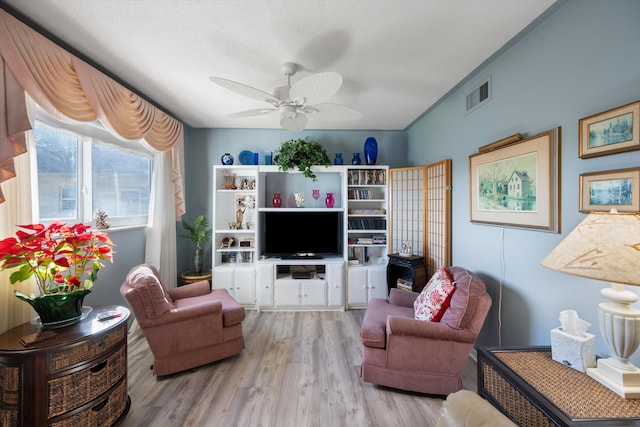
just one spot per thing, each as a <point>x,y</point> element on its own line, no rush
<point>298,101</point>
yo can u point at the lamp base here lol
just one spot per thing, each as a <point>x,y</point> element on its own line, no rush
<point>625,383</point>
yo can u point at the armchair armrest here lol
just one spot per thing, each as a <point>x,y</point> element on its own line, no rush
<point>402,298</point>
<point>187,312</point>
<point>402,326</point>
<point>190,290</point>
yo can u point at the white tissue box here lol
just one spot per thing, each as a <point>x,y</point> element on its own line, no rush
<point>576,352</point>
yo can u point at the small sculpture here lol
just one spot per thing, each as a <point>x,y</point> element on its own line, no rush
<point>227,242</point>
<point>240,208</point>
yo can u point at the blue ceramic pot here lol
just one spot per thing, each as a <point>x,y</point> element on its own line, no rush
<point>226,159</point>
<point>338,160</point>
<point>371,151</point>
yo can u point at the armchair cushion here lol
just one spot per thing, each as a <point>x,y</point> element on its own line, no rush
<point>468,288</point>
<point>150,291</point>
<point>434,298</point>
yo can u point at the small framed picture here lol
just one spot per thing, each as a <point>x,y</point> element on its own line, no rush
<point>613,131</point>
<point>619,189</point>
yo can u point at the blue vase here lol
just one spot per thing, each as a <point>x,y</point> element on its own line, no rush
<point>371,151</point>
<point>338,160</point>
<point>226,159</point>
<point>356,159</point>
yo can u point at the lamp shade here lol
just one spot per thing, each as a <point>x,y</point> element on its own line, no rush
<point>605,246</point>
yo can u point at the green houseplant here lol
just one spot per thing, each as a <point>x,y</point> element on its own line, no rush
<point>301,154</point>
<point>199,232</point>
<point>64,260</point>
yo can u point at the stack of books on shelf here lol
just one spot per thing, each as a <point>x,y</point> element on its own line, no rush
<point>364,241</point>
<point>367,224</point>
<point>367,177</point>
<point>363,195</point>
<point>405,284</point>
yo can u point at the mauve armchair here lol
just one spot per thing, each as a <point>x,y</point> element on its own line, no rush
<point>185,327</point>
<point>428,357</point>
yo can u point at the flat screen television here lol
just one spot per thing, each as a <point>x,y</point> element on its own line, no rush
<point>301,234</point>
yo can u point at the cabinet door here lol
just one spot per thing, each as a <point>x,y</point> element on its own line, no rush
<point>223,278</point>
<point>313,293</point>
<point>245,284</point>
<point>287,293</point>
<point>377,282</point>
<point>335,285</point>
<point>357,285</point>
<point>264,285</point>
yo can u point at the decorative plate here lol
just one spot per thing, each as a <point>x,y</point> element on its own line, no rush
<point>246,157</point>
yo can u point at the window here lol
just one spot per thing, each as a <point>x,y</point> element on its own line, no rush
<point>82,169</point>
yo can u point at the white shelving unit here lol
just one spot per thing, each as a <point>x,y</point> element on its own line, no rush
<point>235,237</point>
<point>360,193</point>
<point>367,233</point>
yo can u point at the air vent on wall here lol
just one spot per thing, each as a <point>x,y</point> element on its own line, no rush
<point>478,96</point>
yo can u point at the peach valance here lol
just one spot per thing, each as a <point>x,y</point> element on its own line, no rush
<point>64,85</point>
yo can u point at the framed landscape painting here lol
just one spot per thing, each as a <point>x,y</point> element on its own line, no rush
<point>602,191</point>
<point>610,132</point>
<point>518,185</point>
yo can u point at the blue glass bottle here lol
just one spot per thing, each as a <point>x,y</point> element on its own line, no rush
<point>356,159</point>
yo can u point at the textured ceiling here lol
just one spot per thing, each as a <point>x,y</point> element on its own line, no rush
<point>397,57</point>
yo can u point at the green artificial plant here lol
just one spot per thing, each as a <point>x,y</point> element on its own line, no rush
<point>301,154</point>
<point>199,230</point>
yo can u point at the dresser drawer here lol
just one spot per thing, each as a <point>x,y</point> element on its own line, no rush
<point>104,413</point>
<point>74,390</point>
<point>9,395</point>
<point>81,352</point>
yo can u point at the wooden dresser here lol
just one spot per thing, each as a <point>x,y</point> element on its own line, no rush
<point>76,378</point>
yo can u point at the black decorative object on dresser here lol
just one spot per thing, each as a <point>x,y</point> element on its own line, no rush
<point>406,272</point>
<point>70,376</point>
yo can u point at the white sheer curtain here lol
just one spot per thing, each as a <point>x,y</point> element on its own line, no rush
<point>13,311</point>
<point>161,231</point>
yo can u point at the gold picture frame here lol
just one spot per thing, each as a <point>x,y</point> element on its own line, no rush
<point>518,185</point>
<point>602,191</point>
<point>610,132</point>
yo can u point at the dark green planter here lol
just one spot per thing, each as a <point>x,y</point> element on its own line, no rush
<point>57,310</point>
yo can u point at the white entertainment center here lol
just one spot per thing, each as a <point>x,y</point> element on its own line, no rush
<point>352,237</point>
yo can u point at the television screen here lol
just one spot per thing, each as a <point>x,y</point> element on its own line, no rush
<point>287,234</point>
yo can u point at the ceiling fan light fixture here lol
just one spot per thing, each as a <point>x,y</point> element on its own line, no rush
<point>288,111</point>
<point>294,124</point>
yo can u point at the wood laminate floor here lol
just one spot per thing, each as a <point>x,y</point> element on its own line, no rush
<point>297,369</point>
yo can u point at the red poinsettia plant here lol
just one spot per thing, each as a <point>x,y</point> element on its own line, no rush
<point>63,258</point>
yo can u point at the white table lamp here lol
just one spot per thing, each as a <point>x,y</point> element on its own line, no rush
<point>606,246</point>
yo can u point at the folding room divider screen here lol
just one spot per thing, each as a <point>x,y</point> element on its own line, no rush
<point>420,212</point>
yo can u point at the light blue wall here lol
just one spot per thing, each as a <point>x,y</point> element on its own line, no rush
<point>204,147</point>
<point>580,60</point>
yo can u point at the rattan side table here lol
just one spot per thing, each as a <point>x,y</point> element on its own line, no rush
<point>534,390</point>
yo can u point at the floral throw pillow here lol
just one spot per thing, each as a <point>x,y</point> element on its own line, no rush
<point>434,299</point>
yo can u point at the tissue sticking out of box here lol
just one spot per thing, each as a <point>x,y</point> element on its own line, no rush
<point>571,344</point>
<point>572,324</point>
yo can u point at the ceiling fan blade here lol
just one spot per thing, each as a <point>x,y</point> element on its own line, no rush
<point>245,90</point>
<point>334,112</point>
<point>252,113</point>
<point>315,88</point>
<point>294,124</point>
